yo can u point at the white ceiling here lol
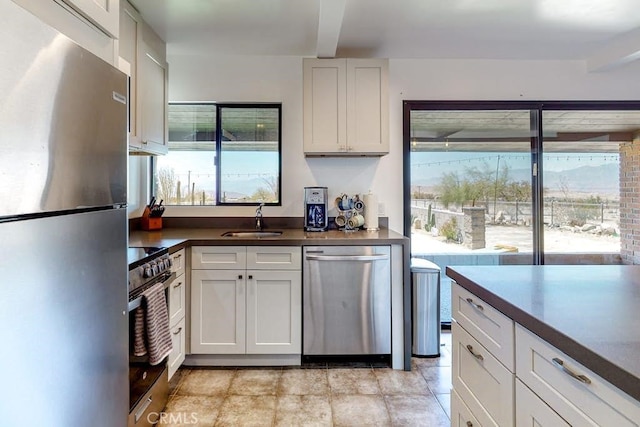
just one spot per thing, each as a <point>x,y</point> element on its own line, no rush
<point>605,33</point>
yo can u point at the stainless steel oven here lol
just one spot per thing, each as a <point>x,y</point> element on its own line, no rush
<point>148,384</point>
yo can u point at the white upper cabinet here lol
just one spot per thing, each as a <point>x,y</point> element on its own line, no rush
<point>145,52</point>
<point>102,13</point>
<point>93,27</point>
<point>346,107</point>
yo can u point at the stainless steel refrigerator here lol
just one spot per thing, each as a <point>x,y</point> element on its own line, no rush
<point>63,230</point>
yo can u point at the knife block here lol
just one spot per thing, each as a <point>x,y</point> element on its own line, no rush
<point>150,224</point>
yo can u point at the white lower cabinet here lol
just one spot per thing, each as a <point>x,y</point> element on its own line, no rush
<point>461,415</point>
<point>177,310</point>
<point>532,411</point>
<point>274,312</point>
<point>577,394</point>
<point>178,340</point>
<point>483,383</point>
<point>218,305</point>
<point>246,311</point>
<point>545,387</point>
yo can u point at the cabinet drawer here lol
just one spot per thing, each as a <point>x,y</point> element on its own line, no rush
<point>491,328</point>
<point>461,416</point>
<point>218,257</point>
<point>531,411</point>
<point>178,340</point>
<point>274,258</point>
<point>177,295</point>
<point>484,384</point>
<point>178,262</point>
<point>585,401</point>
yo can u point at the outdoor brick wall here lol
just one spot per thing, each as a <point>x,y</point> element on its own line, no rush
<point>630,201</point>
<point>474,228</point>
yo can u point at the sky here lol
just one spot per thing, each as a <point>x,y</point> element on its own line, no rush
<point>242,170</point>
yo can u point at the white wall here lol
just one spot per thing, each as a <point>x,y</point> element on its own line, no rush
<point>279,79</point>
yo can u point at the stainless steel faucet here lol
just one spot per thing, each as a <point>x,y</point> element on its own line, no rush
<point>259,217</point>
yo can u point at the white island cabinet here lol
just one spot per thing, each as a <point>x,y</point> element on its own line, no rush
<point>483,365</point>
<point>346,107</point>
<point>246,301</point>
<point>505,375</point>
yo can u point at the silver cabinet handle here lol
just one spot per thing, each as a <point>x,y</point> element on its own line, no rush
<point>474,305</point>
<point>144,407</point>
<point>347,257</point>
<point>560,364</point>
<point>476,355</point>
<point>178,331</point>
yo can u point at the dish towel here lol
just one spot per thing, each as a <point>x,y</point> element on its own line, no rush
<point>151,329</point>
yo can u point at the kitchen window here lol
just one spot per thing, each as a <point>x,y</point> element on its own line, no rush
<point>221,154</point>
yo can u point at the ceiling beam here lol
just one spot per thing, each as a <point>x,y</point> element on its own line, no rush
<point>329,26</point>
<point>620,51</point>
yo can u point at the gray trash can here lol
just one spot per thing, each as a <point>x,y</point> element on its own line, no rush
<point>425,278</point>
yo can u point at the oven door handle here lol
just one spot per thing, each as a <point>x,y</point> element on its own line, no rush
<point>136,302</point>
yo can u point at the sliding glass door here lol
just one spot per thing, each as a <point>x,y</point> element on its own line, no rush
<point>581,176</point>
<point>499,183</point>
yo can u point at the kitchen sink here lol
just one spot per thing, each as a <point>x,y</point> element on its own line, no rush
<point>252,234</point>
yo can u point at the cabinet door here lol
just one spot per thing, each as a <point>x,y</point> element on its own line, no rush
<point>461,416</point>
<point>178,262</point>
<point>102,13</point>
<point>64,18</point>
<point>325,105</point>
<point>218,311</point>
<point>130,32</point>
<point>576,393</point>
<point>531,411</point>
<point>178,340</point>
<point>219,257</point>
<point>274,312</point>
<point>274,258</point>
<point>484,384</point>
<point>152,99</point>
<point>367,106</point>
<point>177,299</point>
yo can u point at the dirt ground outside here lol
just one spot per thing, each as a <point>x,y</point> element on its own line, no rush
<point>499,237</point>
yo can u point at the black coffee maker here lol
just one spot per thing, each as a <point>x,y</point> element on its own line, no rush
<point>315,209</point>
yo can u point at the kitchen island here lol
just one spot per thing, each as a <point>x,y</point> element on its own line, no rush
<point>177,238</point>
<point>589,313</point>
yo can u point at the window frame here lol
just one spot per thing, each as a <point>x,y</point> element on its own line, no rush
<point>536,109</point>
<point>218,152</point>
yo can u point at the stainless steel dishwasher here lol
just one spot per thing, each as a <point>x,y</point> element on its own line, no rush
<point>346,299</point>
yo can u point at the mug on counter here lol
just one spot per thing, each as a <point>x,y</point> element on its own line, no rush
<point>344,202</point>
<point>356,221</point>
<point>341,220</point>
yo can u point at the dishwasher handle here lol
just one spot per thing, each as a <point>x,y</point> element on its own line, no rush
<point>379,257</point>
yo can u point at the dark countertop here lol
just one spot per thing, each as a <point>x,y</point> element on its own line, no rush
<point>175,238</point>
<point>590,312</point>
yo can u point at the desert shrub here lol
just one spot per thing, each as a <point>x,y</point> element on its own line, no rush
<point>450,230</point>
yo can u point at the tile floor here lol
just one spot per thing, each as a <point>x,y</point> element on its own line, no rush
<point>363,396</point>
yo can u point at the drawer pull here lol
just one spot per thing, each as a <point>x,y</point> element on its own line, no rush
<point>474,354</point>
<point>469,424</point>
<point>560,364</point>
<point>178,331</point>
<point>474,305</point>
<point>178,285</point>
